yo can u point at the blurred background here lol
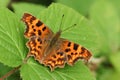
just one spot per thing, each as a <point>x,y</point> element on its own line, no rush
<point>105,16</point>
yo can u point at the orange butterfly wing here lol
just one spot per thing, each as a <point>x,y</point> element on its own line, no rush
<point>35,27</point>
<point>48,48</point>
<point>65,52</point>
<point>56,57</point>
<point>36,46</point>
<point>74,52</point>
<point>38,35</point>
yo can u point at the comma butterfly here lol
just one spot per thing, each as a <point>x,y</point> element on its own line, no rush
<point>48,48</point>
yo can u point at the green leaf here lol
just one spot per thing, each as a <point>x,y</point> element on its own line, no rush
<point>34,71</point>
<point>81,6</point>
<point>103,73</point>
<point>107,73</point>
<point>115,58</point>
<point>82,33</point>
<point>12,42</point>
<point>21,8</point>
<point>107,24</point>
<point>4,3</point>
<point>117,5</point>
<point>114,76</point>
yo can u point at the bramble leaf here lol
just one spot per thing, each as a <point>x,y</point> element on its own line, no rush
<point>12,42</point>
<point>82,33</point>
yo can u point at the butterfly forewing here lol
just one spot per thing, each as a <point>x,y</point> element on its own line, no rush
<point>38,35</point>
<point>36,45</point>
<point>35,27</point>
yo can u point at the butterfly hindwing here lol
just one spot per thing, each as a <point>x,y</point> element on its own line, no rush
<point>56,57</point>
<point>36,46</point>
<point>74,52</point>
<point>65,52</point>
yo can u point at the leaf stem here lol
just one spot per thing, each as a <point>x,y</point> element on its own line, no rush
<point>10,72</point>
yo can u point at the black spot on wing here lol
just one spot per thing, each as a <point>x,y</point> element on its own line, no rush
<point>60,59</point>
<point>72,53</point>
<point>83,50</point>
<point>60,53</point>
<point>40,47</point>
<point>32,26</point>
<point>34,30</point>
<point>32,19</point>
<point>44,28</point>
<point>69,44</point>
<point>69,57</point>
<point>67,50</point>
<point>39,32</point>
<point>75,47</point>
<point>54,56</point>
<point>76,53</point>
<point>38,39</point>
<point>39,23</point>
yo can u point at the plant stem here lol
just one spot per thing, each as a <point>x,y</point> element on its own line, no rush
<point>10,73</point>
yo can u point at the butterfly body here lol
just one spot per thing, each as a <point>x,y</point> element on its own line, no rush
<point>48,48</point>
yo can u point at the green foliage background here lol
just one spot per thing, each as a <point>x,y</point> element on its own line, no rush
<point>98,29</point>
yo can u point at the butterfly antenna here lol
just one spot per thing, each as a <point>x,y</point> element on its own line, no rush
<point>60,28</point>
<point>69,27</point>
